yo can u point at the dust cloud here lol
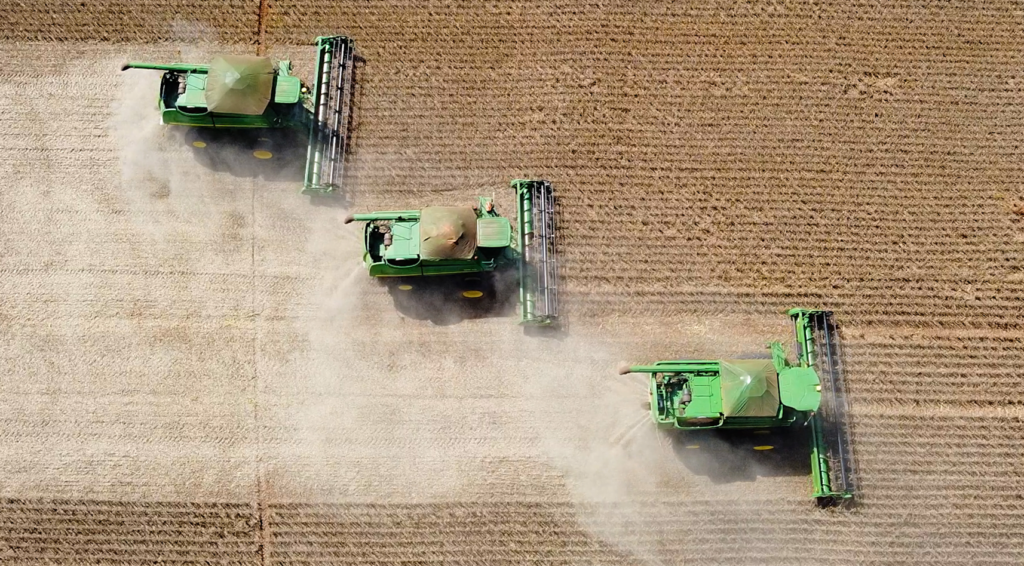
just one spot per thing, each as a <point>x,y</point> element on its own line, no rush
<point>596,428</point>
<point>164,187</point>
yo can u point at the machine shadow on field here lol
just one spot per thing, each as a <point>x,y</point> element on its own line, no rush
<point>733,456</point>
<point>445,300</point>
<point>268,154</point>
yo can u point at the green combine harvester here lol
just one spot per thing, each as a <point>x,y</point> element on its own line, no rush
<point>245,93</point>
<point>771,393</point>
<point>451,241</point>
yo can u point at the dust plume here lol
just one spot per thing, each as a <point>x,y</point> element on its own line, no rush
<point>598,432</point>
<point>176,178</point>
<point>167,191</point>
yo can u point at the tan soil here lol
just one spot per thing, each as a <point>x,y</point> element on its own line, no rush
<point>193,367</point>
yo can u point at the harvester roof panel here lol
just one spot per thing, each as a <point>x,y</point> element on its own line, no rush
<point>705,401</point>
<point>447,232</point>
<point>286,90</point>
<point>195,91</point>
<point>405,237</point>
<point>750,388</point>
<point>800,388</point>
<point>493,232</point>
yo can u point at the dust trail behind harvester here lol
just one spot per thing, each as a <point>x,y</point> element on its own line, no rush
<point>598,433</point>
<point>164,187</point>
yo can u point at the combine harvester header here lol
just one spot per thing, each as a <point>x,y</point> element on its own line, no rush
<point>538,266</point>
<point>245,93</point>
<point>462,240</point>
<point>760,394</point>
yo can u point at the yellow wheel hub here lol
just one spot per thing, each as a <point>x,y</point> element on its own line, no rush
<point>405,287</point>
<point>763,447</point>
<point>199,144</point>
<point>472,294</point>
<point>262,154</point>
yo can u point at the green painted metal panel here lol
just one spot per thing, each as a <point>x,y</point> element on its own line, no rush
<point>381,269</point>
<point>287,90</point>
<point>800,388</point>
<point>706,401</point>
<point>493,232</point>
<point>172,117</point>
<point>452,267</point>
<point>176,67</point>
<point>195,91</point>
<point>405,241</point>
<point>239,121</point>
<point>739,423</point>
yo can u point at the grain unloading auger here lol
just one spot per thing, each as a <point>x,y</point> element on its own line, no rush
<point>454,241</point>
<point>763,394</point>
<point>245,93</point>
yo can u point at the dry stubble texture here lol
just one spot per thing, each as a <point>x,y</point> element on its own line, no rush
<point>233,21</point>
<point>203,339</point>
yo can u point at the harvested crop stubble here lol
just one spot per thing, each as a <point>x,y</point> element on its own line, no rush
<point>136,21</point>
<point>178,335</point>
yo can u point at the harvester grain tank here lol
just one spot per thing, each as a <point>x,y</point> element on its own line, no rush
<point>693,395</point>
<point>239,92</point>
<point>439,240</point>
